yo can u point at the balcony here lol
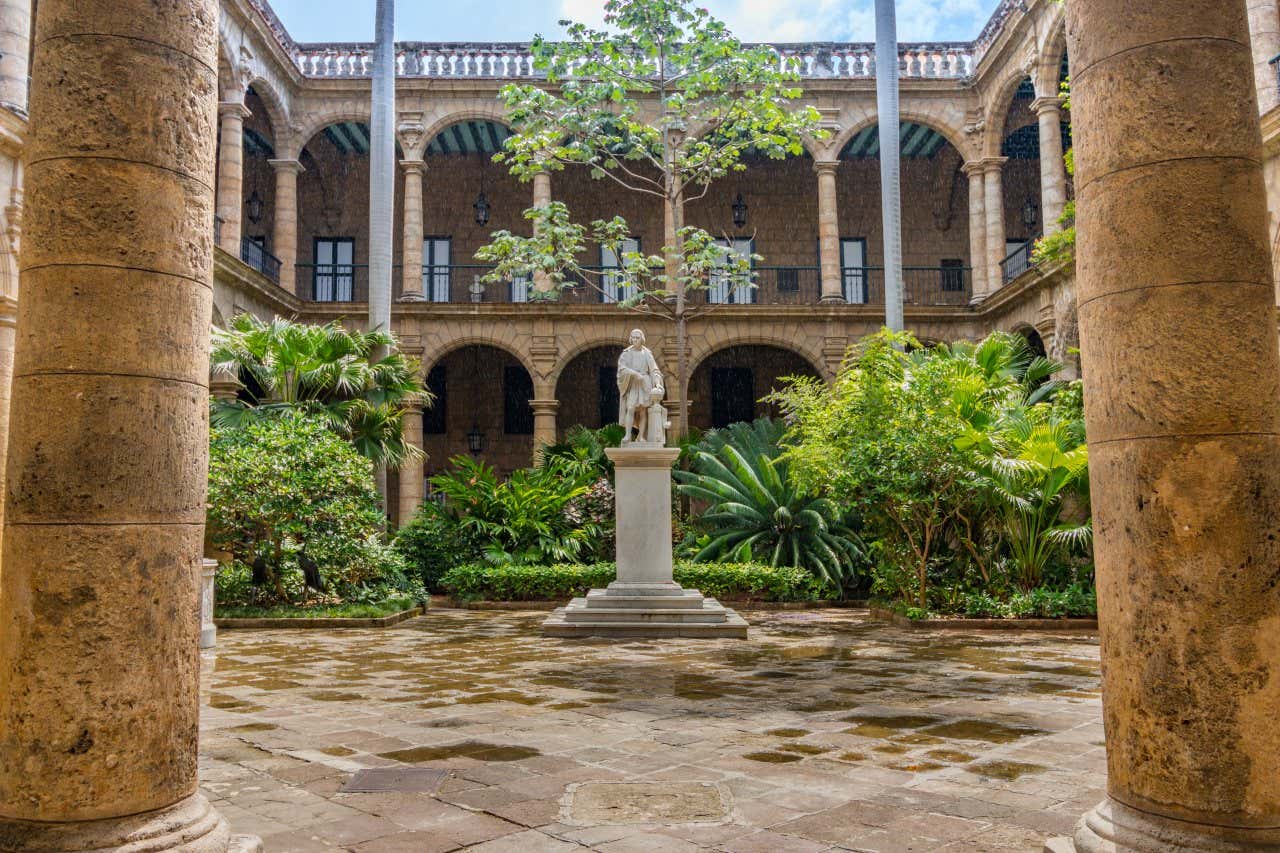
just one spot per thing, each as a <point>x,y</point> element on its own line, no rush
<point>462,284</point>
<point>1018,262</point>
<point>253,254</point>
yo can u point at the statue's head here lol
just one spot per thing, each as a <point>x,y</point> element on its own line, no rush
<point>637,338</point>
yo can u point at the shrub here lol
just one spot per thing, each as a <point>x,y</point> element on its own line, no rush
<point>432,543</point>
<point>288,499</point>
<point>1075,601</point>
<point>719,580</point>
<point>525,519</point>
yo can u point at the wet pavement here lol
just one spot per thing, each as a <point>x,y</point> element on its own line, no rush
<point>823,731</point>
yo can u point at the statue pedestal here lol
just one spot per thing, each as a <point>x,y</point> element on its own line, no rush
<point>644,601</point>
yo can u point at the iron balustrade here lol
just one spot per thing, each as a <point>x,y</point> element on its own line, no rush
<point>463,284</point>
<point>1275,70</point>
<point>253,254</point>
<point>926,286</point>
<point>1018,262</point>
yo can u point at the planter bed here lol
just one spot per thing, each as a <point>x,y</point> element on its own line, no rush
<point>739,603</point>
<point>1063,624</point>
<point>230,623</point>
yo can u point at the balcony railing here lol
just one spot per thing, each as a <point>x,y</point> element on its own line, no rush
<point>1275,70</point>
<point>260,259</point>
<point>938,60</point>
<point>462,284</point>
<point>1018,262</point>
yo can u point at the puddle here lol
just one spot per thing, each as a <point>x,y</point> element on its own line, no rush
<point>804,748</point>
<point>922,767</point>
<point>338,751</point>
<point>501,696</point>
<point>336,696</point>
<point>852,756</point>
<point>255,727</point>
<point>891,748</point>
<point>886,726</point>
<point>788,733</point>
<point>772,757</point>
<point>467,749</point>
<point>1007,770</point>
<point>984,730</point>
<point>953,755</point>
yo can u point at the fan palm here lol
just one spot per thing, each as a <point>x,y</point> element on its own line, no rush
<point>756,513</point>
<point>284,366</point>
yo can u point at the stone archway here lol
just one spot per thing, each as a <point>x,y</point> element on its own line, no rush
<point>728,385</point>
<point>586,389</point>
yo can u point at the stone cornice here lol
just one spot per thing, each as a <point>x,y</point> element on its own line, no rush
<point>13,133</point>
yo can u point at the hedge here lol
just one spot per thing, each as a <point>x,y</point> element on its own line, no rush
<point>749,581</point>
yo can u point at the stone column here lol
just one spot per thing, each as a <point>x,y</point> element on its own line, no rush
<point>1264,31</point>
<point>1184,432</point>
<point>977,228</point>
<point>1053,169</point>
<point>829,233</point>
<point>993,208</point>
<point>541,198</point>
<point>411,287</point>
<point>231,174</point>
<point>284,239</point>
<point>412,489</point>
<point>108,447</point>
<point>8,326</point>
<point>15,39</point>
<point>544,424</point>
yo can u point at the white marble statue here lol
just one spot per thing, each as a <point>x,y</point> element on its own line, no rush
<point>640,392</point>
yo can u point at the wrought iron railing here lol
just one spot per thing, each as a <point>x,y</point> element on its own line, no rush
<point>253,254</point>
<point>1018,262</point>
<point>462,284</point>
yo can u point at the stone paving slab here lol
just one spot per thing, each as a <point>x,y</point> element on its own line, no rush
<point>824,731</point>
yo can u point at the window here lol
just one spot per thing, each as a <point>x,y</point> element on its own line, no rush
<point>724,288</point>
<point>733,398</point>
<point>519,288</point>
<point>608,395</point>
<point>517,391</point>
<point>436,418</point>
<point>333,277</point>
<point>436,270</point>
<point>611,284</point>
<point>952,275</point>
<point>853,267</point>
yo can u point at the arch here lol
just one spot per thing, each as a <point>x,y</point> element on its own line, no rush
<point>8,264</point>
<point>764,339</point>
<point>347,112</point>
<point>579,349</point>
<point>998,108</point>
<point>493,113</point>
<point>477,340</point>
<point>582,399</point>
<point>952,135</point>
<point>1052,53</point>
<point>277,112</point>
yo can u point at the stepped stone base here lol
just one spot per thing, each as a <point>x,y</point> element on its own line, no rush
<point>645,610</point>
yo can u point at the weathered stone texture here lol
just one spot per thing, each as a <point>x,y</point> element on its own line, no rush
<point>1184,436</point>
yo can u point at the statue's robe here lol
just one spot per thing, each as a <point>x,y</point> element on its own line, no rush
<point>638,376</point>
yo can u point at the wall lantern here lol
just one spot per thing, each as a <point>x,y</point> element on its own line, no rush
<point>739,212</point>
<point>255,208</point>
<point>482,209</point>
<point>475,439</point>
<point>1030,215</point>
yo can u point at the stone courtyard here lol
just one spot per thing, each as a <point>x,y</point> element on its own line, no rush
<point>824,731</point>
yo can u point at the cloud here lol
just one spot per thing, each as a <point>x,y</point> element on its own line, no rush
<point>827,20</point>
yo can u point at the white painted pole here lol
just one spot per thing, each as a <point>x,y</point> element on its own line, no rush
<point>382,175</point>
<point>890,159</point>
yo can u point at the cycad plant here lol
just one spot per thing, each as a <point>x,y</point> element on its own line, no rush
<point>284,367</point>
<point>756,513</point>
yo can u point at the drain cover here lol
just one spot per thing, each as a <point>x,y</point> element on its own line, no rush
<point>403,779</point>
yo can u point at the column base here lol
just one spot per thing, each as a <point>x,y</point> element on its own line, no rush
<point>190,826</point>
<point>412,297</point>
<point>1112,827</point>
<point>832,300</point>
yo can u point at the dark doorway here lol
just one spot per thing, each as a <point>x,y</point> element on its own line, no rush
<point>732,395</point>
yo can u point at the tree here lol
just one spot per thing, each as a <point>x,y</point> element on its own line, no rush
<point>284,367</point>
<point>662,103</point>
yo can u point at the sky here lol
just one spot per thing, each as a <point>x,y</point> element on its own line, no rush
<point>518,20</point>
